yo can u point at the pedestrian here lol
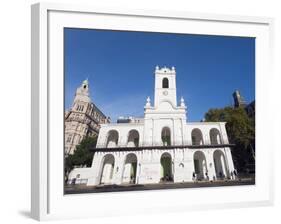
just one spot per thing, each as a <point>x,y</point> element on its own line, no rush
<point>193,176</point>
<point>73,181</point>
<point>235,173</point>
<point>220,174</point>
<point>207,177</point>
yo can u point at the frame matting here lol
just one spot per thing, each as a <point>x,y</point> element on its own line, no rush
<point>48,200</point>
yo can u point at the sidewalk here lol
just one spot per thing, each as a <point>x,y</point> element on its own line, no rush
<point>78,189</point>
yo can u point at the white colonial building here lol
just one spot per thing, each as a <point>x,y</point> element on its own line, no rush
<point>160,147</point>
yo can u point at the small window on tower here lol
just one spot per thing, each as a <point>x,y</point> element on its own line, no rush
<point>85,86</point>
<point>165,83</point>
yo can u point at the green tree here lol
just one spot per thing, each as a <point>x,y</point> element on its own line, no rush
<point>241,132</point>
<point>82,156</point>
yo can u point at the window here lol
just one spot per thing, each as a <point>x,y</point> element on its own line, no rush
<point>215,137</point>
<point>112,139</point>
<point>68,138</point>
<point>133,139</point>
<point>166,136</point>
<point>165,83</point>
<point>80,108</point>
<point>196,136</point>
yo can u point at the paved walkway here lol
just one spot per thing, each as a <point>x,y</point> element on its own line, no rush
<point>78,189</point>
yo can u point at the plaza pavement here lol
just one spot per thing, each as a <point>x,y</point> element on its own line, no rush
<point>78,189</point>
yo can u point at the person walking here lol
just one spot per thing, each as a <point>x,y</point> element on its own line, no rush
<point>207,176</point>
<point>235,174</point>
<point>193,176</point>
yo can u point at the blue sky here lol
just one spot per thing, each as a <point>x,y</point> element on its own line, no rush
<point>120,68</point>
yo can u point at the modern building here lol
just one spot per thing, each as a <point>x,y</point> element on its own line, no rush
<point>162,146</point>
<point>240,102</point>
<point>250,109</point>
<point>238,99</point>
<point>83,119</point>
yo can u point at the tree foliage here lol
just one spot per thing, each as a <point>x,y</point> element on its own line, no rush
<point>240,129</point>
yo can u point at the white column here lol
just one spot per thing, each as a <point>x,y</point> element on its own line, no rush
<point>96,169</point>
<point>229,159</point>
<point>210,163</point>
<point>218,139</point>
<point>204,168</point>
<point>223,165</point>
<point>119,166</point>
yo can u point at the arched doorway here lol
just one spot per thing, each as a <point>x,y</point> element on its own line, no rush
<point>166,173</point>
<point>112,139</point>
<point>166,136</point>
<point>200,165</point>
<point>133,139</point>
<point>215,136</point>
<point>220,165</point>
<point>130,169</point>
<point>196,136</point>
<point>107,169</point>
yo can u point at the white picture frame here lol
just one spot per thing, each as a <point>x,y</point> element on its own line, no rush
<point>48,200</point>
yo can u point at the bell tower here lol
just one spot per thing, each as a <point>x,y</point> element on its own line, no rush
<point>83,119</point>
<point>165,86</point>
<point>165,119</point>
<point>82,94</point>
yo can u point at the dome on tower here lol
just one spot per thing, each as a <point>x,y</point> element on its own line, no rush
<point>85,82</point>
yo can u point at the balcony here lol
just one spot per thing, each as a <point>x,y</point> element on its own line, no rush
<point>159,147</point>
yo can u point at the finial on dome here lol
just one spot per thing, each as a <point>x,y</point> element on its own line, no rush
<point>173,68</point>
<point>182,102</point>
<point>157,67</point>
<point>148,99</point>
<point>148,102</point>
<point>86,81</point>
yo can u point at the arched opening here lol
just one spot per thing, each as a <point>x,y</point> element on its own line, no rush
<point>112,139</point>
<point>130,169</point>
<point>196,136</point>
<point>165,83</point>
<point>220,165</point>
<point>215,136</point>
<point>200,166</point>
<point>133,139</point>
<point>107,169</point>
<point>166,174</point>
<point>166,136</point>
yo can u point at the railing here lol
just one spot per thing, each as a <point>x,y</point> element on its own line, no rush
<point>123,144</point>
<point>75,181</point>
<point>160,147</point>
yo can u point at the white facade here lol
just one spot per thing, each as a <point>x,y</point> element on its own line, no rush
<point>162,146</point>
